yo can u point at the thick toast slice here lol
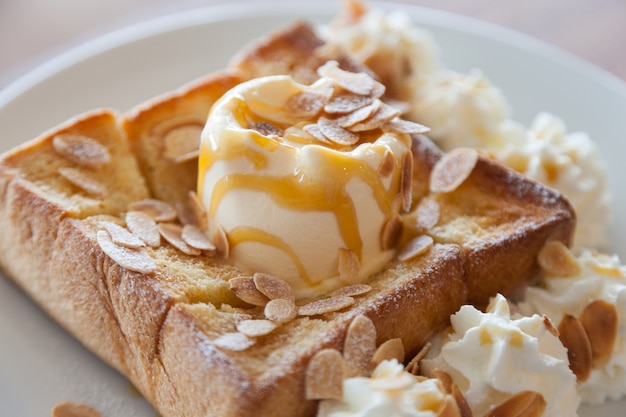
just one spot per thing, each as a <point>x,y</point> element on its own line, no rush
<point>160,328</point>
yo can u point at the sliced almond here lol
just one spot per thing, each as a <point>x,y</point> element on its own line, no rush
<point>360,345</point>
<point>335,133</point>
<point>358,116</point>
<point>305,105</point>
<point>69,409</point>
<point>392,382</point>
<point>351,290</point>
<point>324,375</point>
<point>273,287</point>
<point>132,259</point>
<point>389,350</point>
<point>198,210</point>
<point>398,125</point>
<point>415,247</point>
<point>280,310</point>
<point>383,115</point>
<point>427,213</point>
<point>574,337</point>
<point>349,266</point>
<point>346,103</point>
<point>220,240</point>
<point>357,83</point>
<point>196,238</point>
<point>449,408</point>
<point>464,408</point>
<point>256,328</point>
<point>452,170</point>
<point>172,233</point>
<point>557,260</point>
<point>550,326</point>
<point>444,377</point>
<point>235,342</point>
<point>406,182</point>
<point>245,290</point>
<point>387,164</point>
<point>266,129</point>
<point>326,305</point>
<point>81,150</point>
<point>523,404</point>
<point>83,181</point>
<point>121,236</point>
<point>600,321</point>
<point>315,131</point>
<point>159,210</point>
<point>392,232</point>
<point>144,227</point>
<point>413,365</point>
<point>182,141</point>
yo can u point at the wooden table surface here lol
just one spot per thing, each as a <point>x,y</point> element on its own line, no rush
<point>32,31</point>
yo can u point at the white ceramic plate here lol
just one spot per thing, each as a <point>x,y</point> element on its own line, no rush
<point>40,364</point>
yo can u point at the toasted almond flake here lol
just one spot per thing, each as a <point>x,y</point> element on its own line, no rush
<point>266,129</point>
<point>256,328</point>
<point>392,383</point>
<point>387,164</point>
<point>159,210</point>
<point>197,238</point>
<point>349,266</point>
<point>523,404</point>
<point>220,240</point>
<point>444,377</point>
<point>600,321</point>
<point>415,247</point>
<point>452,170</point>
<point>427,213</point>
<point>324,375</point>
<point>406,182</point>
<point>280,310</point>
<point>304,105</point>
<point>81,150</point>
<point>464,408</point>
<point>360,345</point>
<point>121,236</point>
<point>351,290</point>
<point>245,290</point>
<point>132,259</point>
<point>172,233</point>
<point>392,232</point>
<point>82,180</point>
<point>389,350</point>
<point>358,116</point>
<point>557,260</point>
<point>573,336</point>
<point>69,409</point>
<point>198,210</point>
<point>345,103</point>
<point>315,131</point>
<point>335,133</point>
<point>185,215</point>
<point>450,408</point>
<point>325,305</point>
<point>550,326</point>
<point>383,115</point>
<point>186,157</point>
<point>398,125</point>
<point>357,83</point>
<point>273,287</point>
<point>182,141</point>
<point>234,341</point>
<point>144,227</point>
<point>413,365</point>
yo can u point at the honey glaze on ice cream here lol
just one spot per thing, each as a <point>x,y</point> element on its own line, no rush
<point>307,182</point>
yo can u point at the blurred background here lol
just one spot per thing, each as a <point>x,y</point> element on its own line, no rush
<point>33,31</point>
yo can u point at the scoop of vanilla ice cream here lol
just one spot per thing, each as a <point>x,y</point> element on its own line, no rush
<point>462,110</point>
<point>290,203</point>
<point>601,277</point>
<point>389,43</point>
<point>570,163</point>
<point>492,357</point>
<point>389,392</point>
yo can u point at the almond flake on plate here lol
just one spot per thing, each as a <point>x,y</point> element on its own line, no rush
<point>344,103</point>
<point>245,289</point>
<point>325,305</point>
<point>172,233</point>
<point>234,341</point>
<point>144,227</point>
<point>358,83</point>
<point>415,247</point>
<point>324,375</point>
<point>335,133</point>
<point>83,181</point>
<point>349,266</point>
<point>121,236</point>
<point>557,260</point>
<point>453,169</point>
<point>273,287</point>
<point>360,345</point>
<point>390,349</point>
<point>351,290</point>
<point>69,409</point>
<point>159,210</point>
<point>197,238</point>
<point>305,105</point>
<point>256,328</point>
<point>280,310</point>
